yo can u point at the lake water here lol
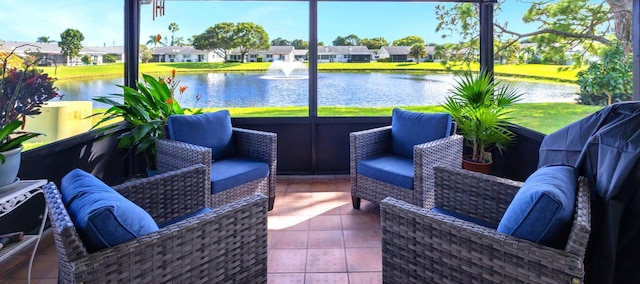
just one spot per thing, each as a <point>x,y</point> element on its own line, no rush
<point>374,89</point>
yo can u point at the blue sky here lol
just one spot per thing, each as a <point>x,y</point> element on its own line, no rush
<point>101,21</point>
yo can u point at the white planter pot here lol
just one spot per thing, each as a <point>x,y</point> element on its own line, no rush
<point>9,170</point>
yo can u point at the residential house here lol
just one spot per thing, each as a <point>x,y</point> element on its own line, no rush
<point>343,54</point>
<point>183,54</point>
<point>98,52</point>
<point>302,54</point>
<point>395,53</point>
<point>52,53</point>
<point>281,53</point>
<point>275,53</point>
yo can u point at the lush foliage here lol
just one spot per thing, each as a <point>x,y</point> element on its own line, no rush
<point>86,59</point>
<point>374,43</point>
<point>350,40</point>
<point>71,42</point>
<point>145,53</point>
<point>480,106</point>
<point>109,58</point>
<point>145,110</point>
<point>250,36</point>
<point>408,41</point>
<point>608,81</point>
<point>224,37</point>
<point>280,42</point>
<point>22,93</point>
<point>563,25</point>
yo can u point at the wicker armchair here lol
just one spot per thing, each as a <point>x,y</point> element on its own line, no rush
<point>258,145</point>
<point>227,245</point>
<point>374,142</point>
<point>421,246</point>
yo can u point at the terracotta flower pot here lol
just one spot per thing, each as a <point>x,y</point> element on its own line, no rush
<point>479,167</point>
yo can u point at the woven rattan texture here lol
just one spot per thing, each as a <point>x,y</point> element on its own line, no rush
<point>227,245</point>
<point>258,145</point>
<point>420,246</point>
<point>369,143</point>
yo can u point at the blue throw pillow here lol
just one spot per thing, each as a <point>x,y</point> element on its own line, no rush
<point>542,210</point>
<point>413,128</point>
<point>102,216</point>
<point>211,129</point>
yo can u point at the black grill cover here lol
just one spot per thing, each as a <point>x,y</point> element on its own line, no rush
<point>605,147</point>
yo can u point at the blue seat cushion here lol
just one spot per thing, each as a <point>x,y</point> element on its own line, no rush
<point>102,216</point>
<point>413,128</point>
<point>211,129</point>
<point>235,171</point>
<point>185,217</point>
<point>542,210</point>
<point>393,169</point>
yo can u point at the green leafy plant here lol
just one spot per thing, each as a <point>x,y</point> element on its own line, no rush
<point>608,81</point>
<point>146,111</point>
<point>22,92</point>
<point>480,106</point>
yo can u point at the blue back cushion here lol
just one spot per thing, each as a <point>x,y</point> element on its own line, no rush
<point>211,129</point>
<point>102,216</point>
<point>412,128</point>
<point>543,208</point>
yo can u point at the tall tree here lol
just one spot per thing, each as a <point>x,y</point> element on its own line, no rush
<point>612,77</point>
<point>300,44</point>
<point>173,28</point>
<point>145,53</point>
<point>71,42</point>
<point>418,51</point>
<point>280,42</point>
<point>219,38</point>
<point>374,43</point>
<point>340,41</point>
<point>350,40</point>
<point>353,40</point>
<point>249,36</point>
<point>181,41</point>
<point>43,39</point>
<point>408,41</point>
<point>563,24</point>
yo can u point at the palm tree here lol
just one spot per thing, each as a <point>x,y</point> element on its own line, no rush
<point>418,51</point>
<point>173,28</point>
<point>155,40</point>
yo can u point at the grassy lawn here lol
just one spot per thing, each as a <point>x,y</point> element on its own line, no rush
<point>536,71</point>
<point>541,117</point>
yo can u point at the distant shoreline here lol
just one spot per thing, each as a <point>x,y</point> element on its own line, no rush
<point>535,72</point>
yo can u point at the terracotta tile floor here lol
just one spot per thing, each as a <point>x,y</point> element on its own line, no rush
<point>315,236</point>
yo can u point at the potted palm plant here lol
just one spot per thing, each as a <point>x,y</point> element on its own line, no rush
<point>479,104</point>
<point>23,90</point>
<point>145,111</point>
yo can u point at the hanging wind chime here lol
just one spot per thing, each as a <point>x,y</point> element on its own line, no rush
<point>158,8</point>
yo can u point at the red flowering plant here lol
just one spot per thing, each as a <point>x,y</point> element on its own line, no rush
<point>146,111</point>
<point>23,90</point>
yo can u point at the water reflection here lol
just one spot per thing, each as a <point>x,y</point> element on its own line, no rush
<point>373,89</point>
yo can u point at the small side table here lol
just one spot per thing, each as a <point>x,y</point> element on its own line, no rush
<point>12,197</point>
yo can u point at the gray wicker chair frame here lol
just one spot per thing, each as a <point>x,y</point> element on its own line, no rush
<point>258,145</point>
<point>227,245</point>
<point>368,143</point>
<point>421,246</point>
